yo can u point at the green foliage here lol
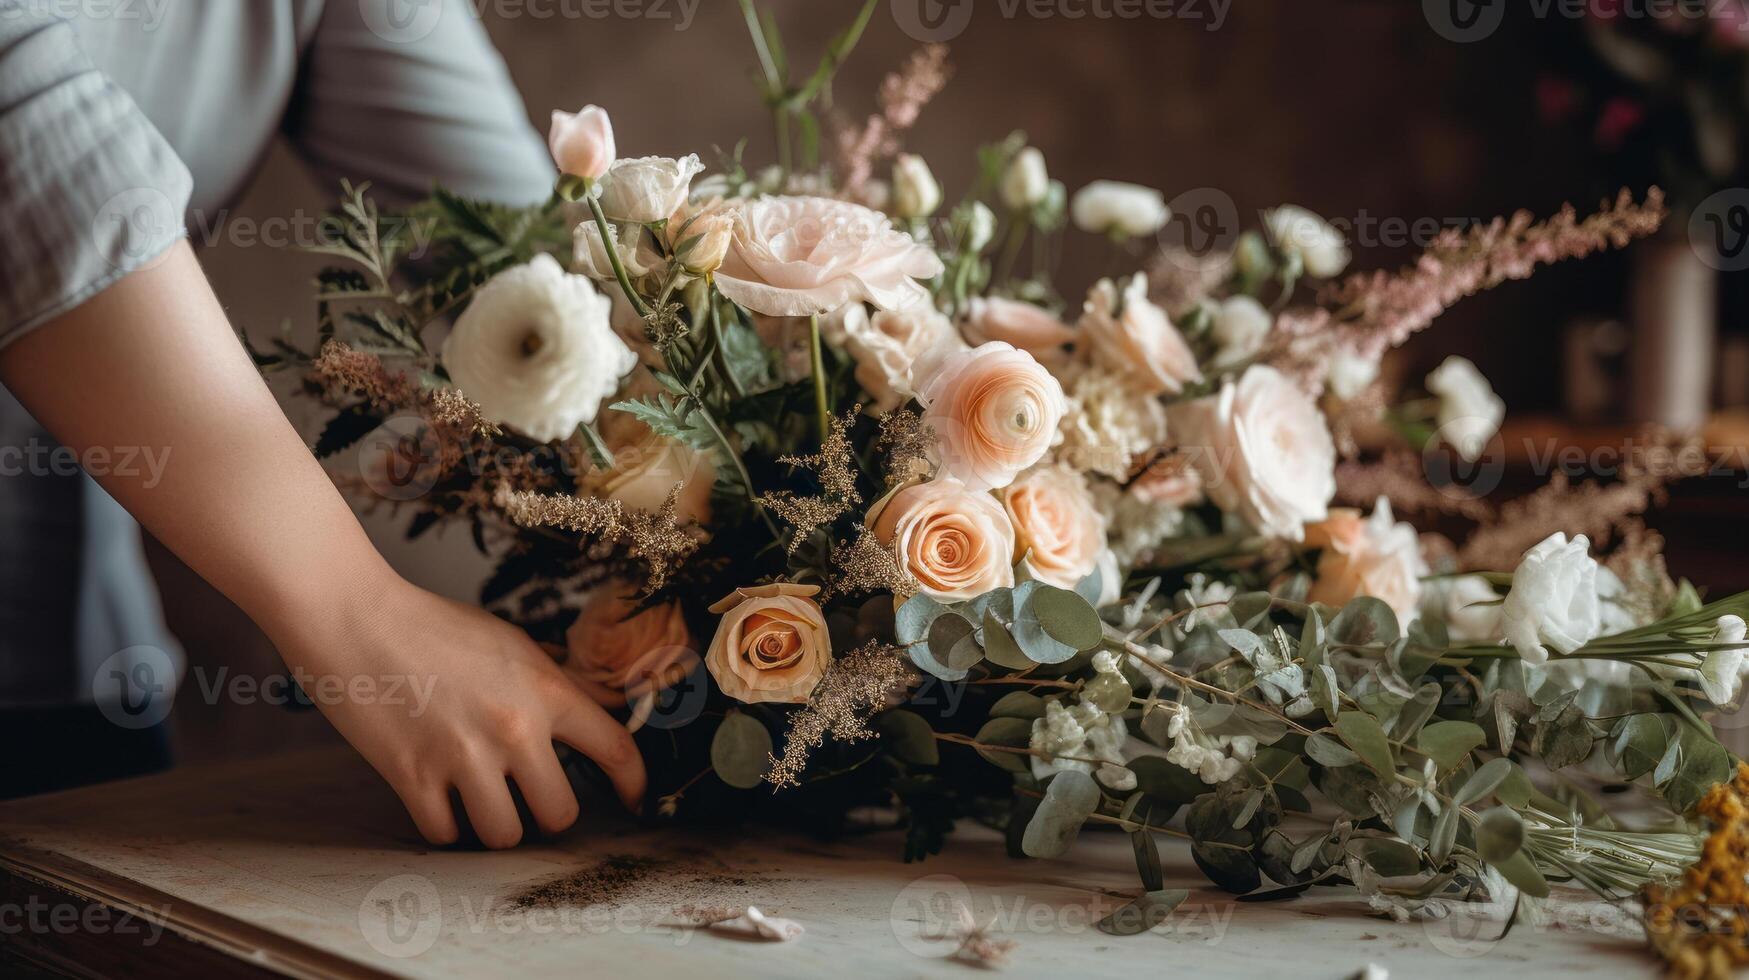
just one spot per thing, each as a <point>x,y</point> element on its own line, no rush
<point>1070,798</point>
<point>741,750</point>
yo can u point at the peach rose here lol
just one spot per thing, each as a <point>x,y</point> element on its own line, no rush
<point>1024,325</point>
<point>1264,451</point>
<point>1130,335</point>
<point>771,644</point>
<point>617,653</point>
<point>647,472</point>
<point>895,352</point>
<point>1057,526</point>
<point>803,256</point>
<point>958,543</point>
<point>1373,556</point>
<point>995,411</point>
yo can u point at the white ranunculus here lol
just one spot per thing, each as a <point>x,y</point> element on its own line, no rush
<point>800,256</point>
<point>1721,673</point>
<point>647,189</point>
<point>1264,451</point>
<point>1240,325</point>
<point>1553,602</point>
<point>1320,246</point>
<point>1351,373</point>
<point>1110,207</point>
<point>895,352</point>
<point>535,350</point>
<point>1467,604</point>
<point>915,191</point>
<point>1469,411</point>
<point>1026,181</point>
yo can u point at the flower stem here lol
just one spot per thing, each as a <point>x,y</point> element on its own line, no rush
<point>612,248</point>
<point>718,354</point>
<point>822,410</point>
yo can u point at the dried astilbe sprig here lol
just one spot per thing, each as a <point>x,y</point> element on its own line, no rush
<point>835,467</point>
<point>658,539</point>
<point>856,686</point>
<point>905,443</point>
<point>1368,314</point>
<point>1401,478</point>
<point>1700,924</point>
<point>663,326</point>
<point>866,565</point>
<point>903,95</point>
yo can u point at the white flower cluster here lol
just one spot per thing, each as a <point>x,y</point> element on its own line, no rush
<point>1088,736</point>
<point>1136,526</point>
<point>1201,591</point>
<point>1214,758</point>
<point>1107,425</point>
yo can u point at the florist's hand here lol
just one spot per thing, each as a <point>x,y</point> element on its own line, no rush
<point>480,702</point>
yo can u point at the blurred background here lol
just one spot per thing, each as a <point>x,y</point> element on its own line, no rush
<point>1390,118</point>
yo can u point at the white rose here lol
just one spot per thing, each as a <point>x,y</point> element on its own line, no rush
<point>1026,181</point>
<point>1320,247</point>
<point>1467,604</point>
<point>1469,411</point>
<point>896,352</point>
<point>1110,207</point>
<point>1240,326</point>
<point>647,189</point>
<point>1351,373</point>
<point>1553,599</point>
<point>915,192</point>
<point>535,350</point>
<point>1264,451</point>
<point>1721,674</point>
<point>800,256</point>
<point>1131,336</point>
<point>589,256</point>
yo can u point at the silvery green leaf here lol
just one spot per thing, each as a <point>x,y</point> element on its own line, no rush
<point>1000,646</point>
<point>1389,857</point>
<point>1013,732</point>
<point>1499,835</point>
<point>741,750</point>
<point>1247,643</point>
<point>925,660</point>
<point>1417,710</point>
<point>1147,858</point>
<point>1066,617</point>
<point>1250,608</point>
<point>1019,704</point>
<point>1092,587</point>
<point>1521,871</point>
<point>1444,835</point>
<point>1034,640</point>
<point>1449,742</point>
<point>1248,809</point>
<point>1070,798</point>
<point>1484,781</point>
<point>1362,733</point>
<point>997,601</point>
<point>946,634</point>
<point>1144,913</point>
<point>908,737</point>
<point>1365,621</point>
<point>1165,782</point>
<point>1326,751</point>
<point>911,623</point>
<point>1641,742</point>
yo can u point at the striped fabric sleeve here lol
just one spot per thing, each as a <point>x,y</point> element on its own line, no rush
<point>89,189</point>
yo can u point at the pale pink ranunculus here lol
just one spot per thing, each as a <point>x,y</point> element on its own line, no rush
<point>1264,451</point>
<point>582,142</point>
<point>802,256</point>
<point>617,652</point>
<point>1128,334</point>
<point>771,644</point>
<point>1034,330</point>
<point>1374,556</point>
<point>897,351</point>
<point>958,543</point>
<point>1057,526</point>
<point>995,412</point>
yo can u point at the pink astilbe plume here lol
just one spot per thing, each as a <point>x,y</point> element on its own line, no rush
<point>903,95</point>
<point>1369,313</point>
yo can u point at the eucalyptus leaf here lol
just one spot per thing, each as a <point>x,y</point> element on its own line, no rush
<point>1147,859</point>
<point>1000,647</point>
<point>1070,798</point>
<point>908,737</point>
<point>1019,704</point>
<point>1641,741</point>
<point>1521,871</point>
<point>1013,732</point>
<point>741,751</point>
<point>1326,751</point>
<point>1065,617</point>
<point>1390,857</point>
<point>1362,733</point>
<point>1450,742</point>
<point>1365,621</point>
<point>1144,913</point>
<point>1029,632</point>
<point>1484,781</point>
<point>1499,835</point>
<point>1166,782</point>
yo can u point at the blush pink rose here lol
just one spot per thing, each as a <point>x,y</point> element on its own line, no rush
<point>805,256</point>
<point>616,652</point>
<point>958,543</point>
<point>1057,526</point>
<point>771,644</point>
<point>1023,325</point>
<point>1133,337</point>
<point>1374,556</point>
<point>995,411</point>
<point>896,351</point>
<point>1264,451</point>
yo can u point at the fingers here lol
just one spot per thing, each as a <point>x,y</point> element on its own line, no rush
<point>429,807</point>
<point>590,730</point>
<point>490,809</point>
<point>546,790</point>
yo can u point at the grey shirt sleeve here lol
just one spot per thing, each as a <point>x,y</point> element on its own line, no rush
<point>89,190</point>
<point>411,94</point>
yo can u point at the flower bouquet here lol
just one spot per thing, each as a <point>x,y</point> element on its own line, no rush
<point>822,484</point>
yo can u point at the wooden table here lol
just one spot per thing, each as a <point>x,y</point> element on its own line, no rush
<point>305,865</point>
